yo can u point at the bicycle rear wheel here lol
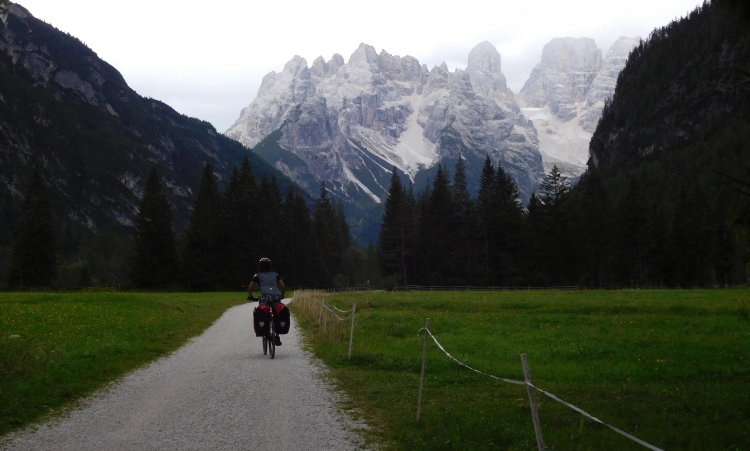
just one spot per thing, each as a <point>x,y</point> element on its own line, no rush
<point>272,340</point>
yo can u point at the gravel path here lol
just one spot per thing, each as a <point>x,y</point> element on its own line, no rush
<point>217,392</point>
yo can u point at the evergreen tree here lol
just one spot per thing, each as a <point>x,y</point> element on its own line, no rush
<point>154,261</point>
<point>421,235</point>
<point>486,215</point>
<point>507,227</point>
<point>535,247</point>
<point>439,245</point>
<point>373,274</point>
<point>305,266</point>
<point>687,241</point>
<point>239,227</point>
<point>269,215</point>
<point>34,258</point>
<point>345,237</point>
<point>464,222</point>
<point>556,220</point>
<point>201,262</point>
<point>326,232</point>
<point>632,237</point>
<point>394,244</point>
<point>595,219</point>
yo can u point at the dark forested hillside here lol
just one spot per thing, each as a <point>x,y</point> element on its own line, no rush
<point>93,138</point>
<point>686,84</point>
<point>676,130</point>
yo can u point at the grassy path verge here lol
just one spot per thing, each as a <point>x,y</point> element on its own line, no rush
<point>670,367</point>
<point>58,347</point>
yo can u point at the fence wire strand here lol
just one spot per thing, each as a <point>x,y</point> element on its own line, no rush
<point>548,394</point>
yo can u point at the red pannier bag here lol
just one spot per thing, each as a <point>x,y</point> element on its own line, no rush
<point>281,318</point>
<point>261,319</point>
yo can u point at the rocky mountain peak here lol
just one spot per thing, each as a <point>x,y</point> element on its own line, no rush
<point>565,94</point>
<point>485,57</point>
<point>483,68</point>
<point>572,54</point>
<point>322,69</point>
<point>365,57</point>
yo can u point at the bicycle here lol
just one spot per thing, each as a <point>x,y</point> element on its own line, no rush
<point>269,338</point>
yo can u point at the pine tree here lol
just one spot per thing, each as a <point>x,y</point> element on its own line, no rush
<point>422,230</point>
<point>34,258</point>
<point>394,243</point>
<point>154,262</point>
<point>595,214</point>
<point>305,267</point>
<point>463,220</point>
<point>201,262</point>
<point>373,278</point>
<point>326,232</point>
<point>633,237</point>
<point>269,215</point>
<point>535,246</point>
<point>439,243</point>
<point>486,215</point>
<point>239,227</point>
<point>556,219</point>
<point>508,213</point>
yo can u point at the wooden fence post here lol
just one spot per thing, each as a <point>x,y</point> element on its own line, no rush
<point>424,363</point>
<point>534,404</point>
<point>351,332</point>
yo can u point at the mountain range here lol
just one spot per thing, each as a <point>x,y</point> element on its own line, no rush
<point>350,123</point>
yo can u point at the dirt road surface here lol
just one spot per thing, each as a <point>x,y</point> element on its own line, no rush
<point>218,392</point>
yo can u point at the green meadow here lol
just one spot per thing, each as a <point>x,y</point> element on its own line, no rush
<point>670,367</point>
<point>58,347</point>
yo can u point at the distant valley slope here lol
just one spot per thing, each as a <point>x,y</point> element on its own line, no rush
<point>72,114</point>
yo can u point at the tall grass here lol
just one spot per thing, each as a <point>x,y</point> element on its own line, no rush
<point>318,312</point>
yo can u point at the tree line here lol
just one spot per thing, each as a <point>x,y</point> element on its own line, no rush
<point>603,233</point>
<point>228,232</point>
<point>588,235</point>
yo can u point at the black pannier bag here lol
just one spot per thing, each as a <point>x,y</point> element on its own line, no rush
<point>261,319</point>
<point>281,318</point>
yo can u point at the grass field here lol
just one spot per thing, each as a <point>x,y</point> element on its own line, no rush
<point>670,367</point>
<point>57,347</point>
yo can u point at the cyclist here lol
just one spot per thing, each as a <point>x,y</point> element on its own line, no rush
<point>271,286</point>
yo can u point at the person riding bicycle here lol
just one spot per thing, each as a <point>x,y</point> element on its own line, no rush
<point>272,288</point>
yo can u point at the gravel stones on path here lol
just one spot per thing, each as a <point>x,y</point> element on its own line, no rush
<point>217,392</point>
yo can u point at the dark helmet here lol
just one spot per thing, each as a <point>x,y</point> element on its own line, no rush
<point>264,264</point>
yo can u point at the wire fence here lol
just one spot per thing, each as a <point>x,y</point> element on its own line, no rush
<point>532,397</point>
<point>331,321</point>
<point>530,288</point>
<point>478,288</point>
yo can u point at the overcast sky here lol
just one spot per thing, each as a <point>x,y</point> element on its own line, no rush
<point>207,59</point>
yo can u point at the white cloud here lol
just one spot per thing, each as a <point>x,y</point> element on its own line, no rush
<point>207,59</point>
